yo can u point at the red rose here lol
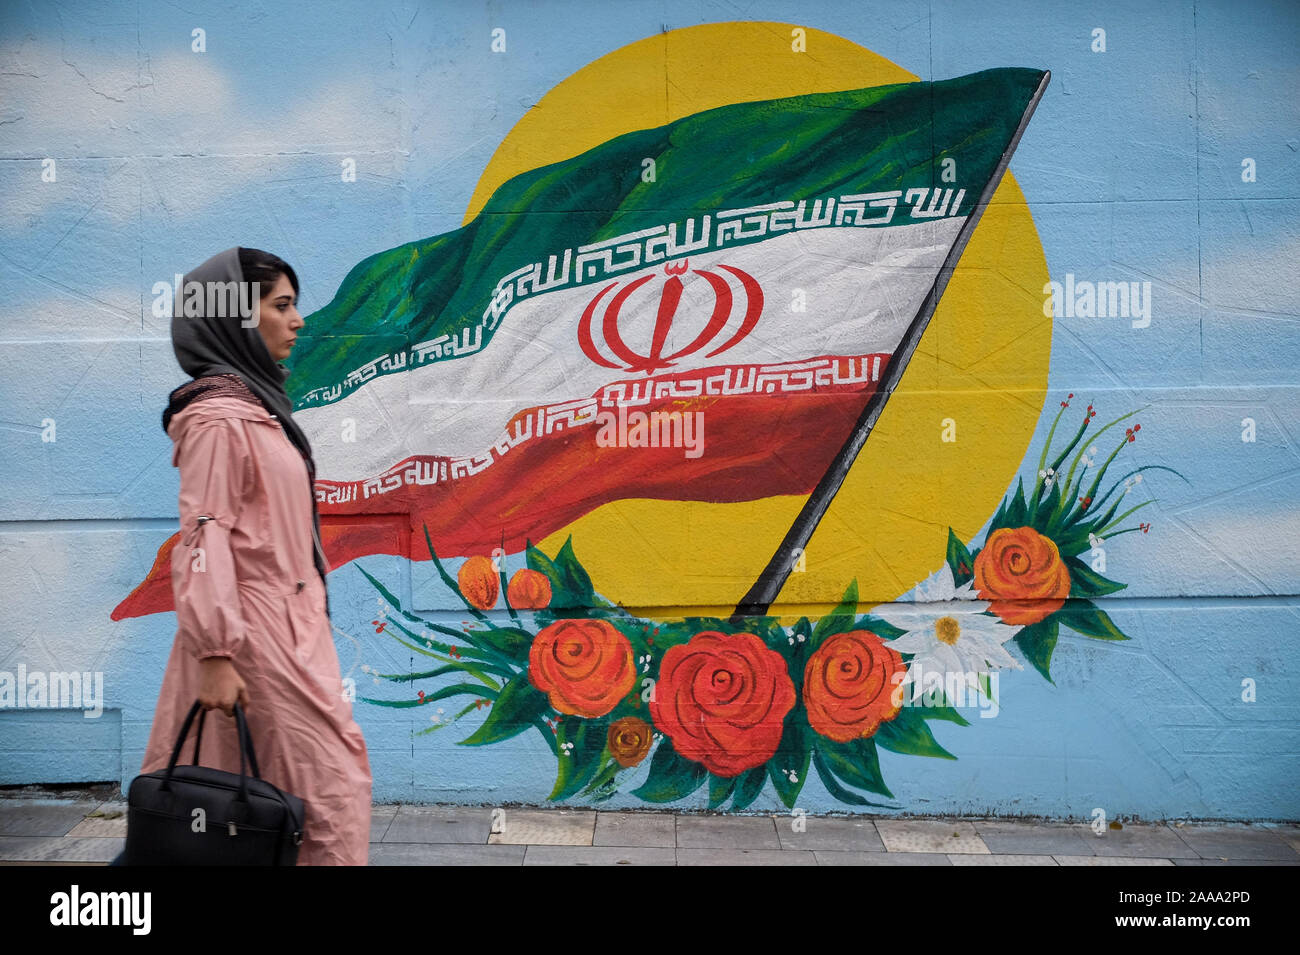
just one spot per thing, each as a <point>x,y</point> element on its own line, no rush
<point>848,685</point>
<point>722,699</point>
<point>584,666</point>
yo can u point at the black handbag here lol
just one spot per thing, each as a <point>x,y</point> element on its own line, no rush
<point>197,815</point>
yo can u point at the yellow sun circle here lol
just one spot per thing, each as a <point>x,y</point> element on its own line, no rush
<point>950,438</point>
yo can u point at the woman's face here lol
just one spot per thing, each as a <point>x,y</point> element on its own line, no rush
<point>278,319</point>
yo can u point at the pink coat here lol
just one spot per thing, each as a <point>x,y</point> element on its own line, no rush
<point>253,594</point>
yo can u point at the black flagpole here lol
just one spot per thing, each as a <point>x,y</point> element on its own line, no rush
<point>764,592</point>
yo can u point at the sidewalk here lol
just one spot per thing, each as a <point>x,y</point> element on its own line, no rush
<point>88,826</point>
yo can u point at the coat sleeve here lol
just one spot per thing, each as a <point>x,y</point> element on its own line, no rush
<point>214,463</point>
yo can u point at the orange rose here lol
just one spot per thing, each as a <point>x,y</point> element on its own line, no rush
<point>629,740</point>
<point>529,590</point>
<point>478,582</point>
<point>722,699</point>
<point>584,666</point>
<point>848,685</point>
<point>1021,574</point>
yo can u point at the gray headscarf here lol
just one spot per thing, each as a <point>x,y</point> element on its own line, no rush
<point>221,344</point>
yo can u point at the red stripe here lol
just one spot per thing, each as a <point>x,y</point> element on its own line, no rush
<point>755,446</point>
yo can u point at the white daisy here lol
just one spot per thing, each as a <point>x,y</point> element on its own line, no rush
<point>961,639</point>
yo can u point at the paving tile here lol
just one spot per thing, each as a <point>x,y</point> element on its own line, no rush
<point>381,817</point>
<point>1236,842</point>
<point>440,824</point>
<point>59,848</point>
<point>545,827</point>
<point>635,829</point>
<point>414,853</point>
<point>930,835</point>
<point>600,855</point>
<point>43,817</point>
<point>1007,836</point>
<point>1235,862</point>
<point>1110,860</point>
<point>727,832</point>
<point>1142,839</point>
<point>106,819</point>
<point>1290,835</point>
<point>830,833</point>
<point>827,857</point>
<point>974,858</point>
<point>745,857</point>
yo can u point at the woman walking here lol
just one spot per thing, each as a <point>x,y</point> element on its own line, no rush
<point>248,574</point>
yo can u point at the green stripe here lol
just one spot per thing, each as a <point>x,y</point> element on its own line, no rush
<point>798,147</point>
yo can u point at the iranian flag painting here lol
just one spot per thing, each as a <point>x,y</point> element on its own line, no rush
<point>726,328</point>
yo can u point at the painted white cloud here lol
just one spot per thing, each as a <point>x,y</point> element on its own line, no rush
<point>112,130</point>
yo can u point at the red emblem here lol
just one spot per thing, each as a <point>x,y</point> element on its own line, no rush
<point>652,358</point>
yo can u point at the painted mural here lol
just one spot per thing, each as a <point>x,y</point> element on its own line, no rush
<point>637,409</point>
<point>736,703</point>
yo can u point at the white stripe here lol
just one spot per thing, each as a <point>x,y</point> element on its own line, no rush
<point>860,288</point>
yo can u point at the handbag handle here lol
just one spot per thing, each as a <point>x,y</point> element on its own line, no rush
<point>245,748</point>
<point>245,735</point>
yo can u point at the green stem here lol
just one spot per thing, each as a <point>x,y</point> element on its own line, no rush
<point>439,726</point>
<point>455,588</point>
<point>1105,529</point>
<point>467,667</point>
<point>505,595</point>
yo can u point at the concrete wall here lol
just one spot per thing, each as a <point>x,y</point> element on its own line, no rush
<point>1163,155</point>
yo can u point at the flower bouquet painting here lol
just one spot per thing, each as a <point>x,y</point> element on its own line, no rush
<point>737,704</point>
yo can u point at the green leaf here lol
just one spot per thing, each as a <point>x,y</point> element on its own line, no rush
<point>958,555</point>
<point>839,620</point>
<point>1089,619</point>
<point>570,585</point>
<point>575,578</point>
<point>908,733</point>
<point>881,628</point>
<point>387,595</point>
<point>579,765</point>
<point>519,706</point>
<point>472,668</point>
<point>986,686</point>
<point>671,777</point>
<point>604,779</point>
<point>856,762</point>
<point>748,786</point>
<point>1086,582</point>
<point>793,753</point>
<point>720,789</point>
<point>1015,515</point>
<point>511,641</point>
<point>832,785</point>
<point>456,689</point>
<point>1036,642</point>
<point>1048,507</point>
<point>447,578</point>
<point>945,712</point>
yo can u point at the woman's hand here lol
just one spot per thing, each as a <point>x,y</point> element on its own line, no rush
<point>220,686</point>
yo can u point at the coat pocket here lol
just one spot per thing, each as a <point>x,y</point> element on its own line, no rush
<point>305,610</point>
